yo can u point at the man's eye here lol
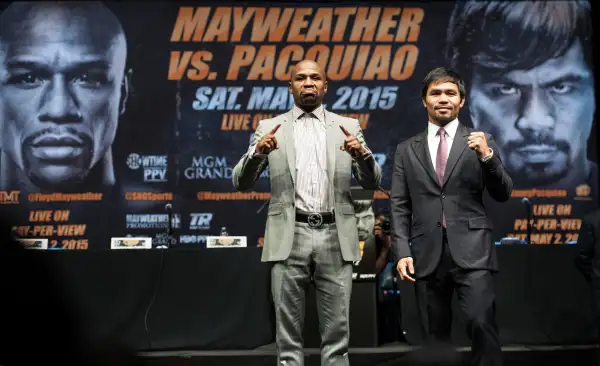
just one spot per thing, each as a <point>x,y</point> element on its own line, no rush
<point>506,89</point>
<point>562,88</point>
<point>91,79</point>
<point>28,79</point>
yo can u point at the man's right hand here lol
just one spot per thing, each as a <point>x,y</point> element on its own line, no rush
<point>405,264</point>
<point>268,142</point>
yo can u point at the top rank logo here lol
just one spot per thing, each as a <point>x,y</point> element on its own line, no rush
<point>154,166</point>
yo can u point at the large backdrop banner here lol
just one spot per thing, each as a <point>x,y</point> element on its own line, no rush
<point>111,111</point>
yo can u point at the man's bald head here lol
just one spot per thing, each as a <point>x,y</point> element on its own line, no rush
<point>71,22</point>
<point>62,79</point>
<point>308,85</point>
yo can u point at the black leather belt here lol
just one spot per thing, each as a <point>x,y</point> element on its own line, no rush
<point>315,219</point>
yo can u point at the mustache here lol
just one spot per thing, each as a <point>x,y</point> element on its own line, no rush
<point>53,131</point>
<point>561,145</point>
<point>62,132</point>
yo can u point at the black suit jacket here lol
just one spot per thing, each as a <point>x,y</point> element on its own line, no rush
<point>588,245</point>
<point>417,199</point>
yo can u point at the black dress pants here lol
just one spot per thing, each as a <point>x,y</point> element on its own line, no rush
<point>476,299</point>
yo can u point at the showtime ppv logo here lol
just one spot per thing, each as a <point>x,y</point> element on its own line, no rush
<point>154,167</point>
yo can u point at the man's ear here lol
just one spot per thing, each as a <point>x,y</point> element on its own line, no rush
<point>125,90</point>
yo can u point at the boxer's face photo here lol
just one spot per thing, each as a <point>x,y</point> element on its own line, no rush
<point>61,86</point>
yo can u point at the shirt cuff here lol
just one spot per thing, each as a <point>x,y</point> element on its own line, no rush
<point>256,154</point>
<point>488,157</point>
<point>363,156</point>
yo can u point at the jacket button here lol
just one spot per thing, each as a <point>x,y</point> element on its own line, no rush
<point>443,196</point>
<point>439,224</point>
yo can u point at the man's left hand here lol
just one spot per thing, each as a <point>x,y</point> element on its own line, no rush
<point>351,144</point>
<point>478,143</point>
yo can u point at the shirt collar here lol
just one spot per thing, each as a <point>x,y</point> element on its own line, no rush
<point>451,127</point>
<point>318,112</point>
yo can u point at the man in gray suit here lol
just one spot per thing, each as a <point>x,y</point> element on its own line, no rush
<point>311,229</point>
<point>442,236</point>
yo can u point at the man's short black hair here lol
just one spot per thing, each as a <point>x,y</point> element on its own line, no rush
<point>443,75</point>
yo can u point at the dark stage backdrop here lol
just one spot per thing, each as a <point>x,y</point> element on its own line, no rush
<point>99,133</point>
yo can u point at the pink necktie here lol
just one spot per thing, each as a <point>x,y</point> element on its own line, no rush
<point>441,160</point>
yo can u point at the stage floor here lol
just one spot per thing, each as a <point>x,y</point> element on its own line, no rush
<point>386,355</point>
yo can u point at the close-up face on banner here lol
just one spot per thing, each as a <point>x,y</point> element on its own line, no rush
<point>111,111</point>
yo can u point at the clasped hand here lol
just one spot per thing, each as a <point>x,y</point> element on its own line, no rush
<point>478,143</point>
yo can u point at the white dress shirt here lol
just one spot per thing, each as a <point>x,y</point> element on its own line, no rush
<point>433,139</point>
<point>310,140</point>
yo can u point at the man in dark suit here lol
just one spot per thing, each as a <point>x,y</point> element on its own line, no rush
<point>588,259</point>
<point>442,236</point>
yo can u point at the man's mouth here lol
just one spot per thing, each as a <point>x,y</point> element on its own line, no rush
<point>57,147</point>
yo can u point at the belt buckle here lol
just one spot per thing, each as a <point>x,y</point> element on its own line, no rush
<point>315,220</point>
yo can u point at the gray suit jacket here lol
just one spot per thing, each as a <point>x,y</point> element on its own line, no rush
<point>279,233</point>
<point>418,200</point>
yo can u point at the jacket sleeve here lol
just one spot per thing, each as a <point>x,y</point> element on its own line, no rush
<point>365,167</point>
<point>251,165</point>
<point>401,208</point>
<point>499,184</point>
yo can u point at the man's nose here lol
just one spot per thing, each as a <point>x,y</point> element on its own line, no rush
<point>443,99</point>
<point>536,114</point>
<point>59,104</point>
<point>308,82</point>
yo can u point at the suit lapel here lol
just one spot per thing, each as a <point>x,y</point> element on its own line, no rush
<point>331,144</point>
<point>290,148</point>
<point>421,150</point>
<point>458,147</point>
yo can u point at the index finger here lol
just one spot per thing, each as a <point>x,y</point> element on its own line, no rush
<point>275,129</point>
<point>345,131</point>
